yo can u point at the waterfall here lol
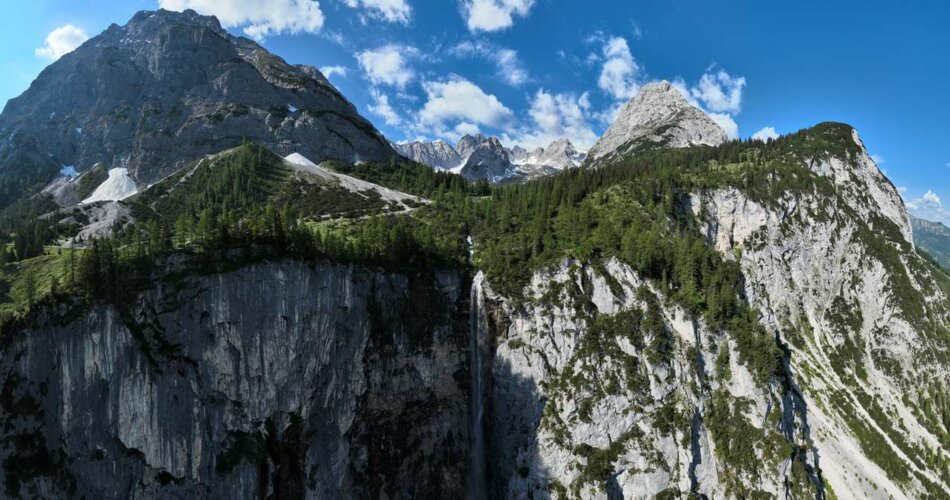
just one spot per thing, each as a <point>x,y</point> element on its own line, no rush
<point>478,343</point>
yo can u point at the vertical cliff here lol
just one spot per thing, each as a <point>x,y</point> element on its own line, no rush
<point>604,389</point>
<point>278,380</point>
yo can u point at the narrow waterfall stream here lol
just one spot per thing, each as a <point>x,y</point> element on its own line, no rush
<point>478,345</point>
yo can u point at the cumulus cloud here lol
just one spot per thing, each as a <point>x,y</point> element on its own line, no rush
<point>459,100</point>
<point>493,15</point>
<point>929,207</point>
<point>510,68</point>
<point>618,76</point>
<point>260,18</point>
<point>466,129</point>
<point>383,109</point>
<point>727,123</point>
<point>329,71</point>
<point>61,41</point>
<point>765,134</point>
<point>394,11</point>
<point>556,116</point>
<point>720,92</point>
<point>387,65</point>
<point>719,95</point>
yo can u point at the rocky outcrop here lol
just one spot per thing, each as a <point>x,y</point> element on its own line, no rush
<point>282,380</point>
<point>658,116</point>
<point>168,88</point>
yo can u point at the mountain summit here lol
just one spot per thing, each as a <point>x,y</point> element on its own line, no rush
<point>658,114</point>
<point>169,87</point>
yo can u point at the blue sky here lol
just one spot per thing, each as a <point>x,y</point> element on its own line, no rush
<point>532,70</point>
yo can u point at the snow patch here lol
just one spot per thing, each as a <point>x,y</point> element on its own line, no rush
<point>79,130</point>
<point>292,108</point>
<point>68,171</point>
<point>118,186</point>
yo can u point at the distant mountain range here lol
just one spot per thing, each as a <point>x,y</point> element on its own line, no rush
<point>933,238</point>
<point>480,157</point>
<point>659,116</point>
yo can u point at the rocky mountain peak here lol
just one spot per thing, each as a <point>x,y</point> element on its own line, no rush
<point>659,114</point>
<point>167,88</point>
<point>488,160</point>
<point>466,145</point>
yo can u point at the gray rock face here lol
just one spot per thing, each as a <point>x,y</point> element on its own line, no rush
<point>488,160</point>
<point>170,87</point>
<point>658,115</point>
<point>518,155</point>
<point>437,154</point>
<point>282,380</point>
<point>467,144</point>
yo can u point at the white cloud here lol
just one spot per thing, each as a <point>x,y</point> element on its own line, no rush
<point>61,41</point>
<point>719,95</point>
<point>260,18</point>
<point>556,116</point>
<point>467,129</point>
<point>618,77</point>
<point>878,159</point>
<point>329,71</point>
<point>460,100</point>
<point>609,115</point>
<point>720,92</point>
<point>381,108</point>
<point>727,123</point>
<point>929,207</point>
<point>680,85</point>
<point>493,15</point>
<point>765,134</point>
<point>394,11</point>
<point>387,65</point>
<point>510,68</point>
<point>931,199</point>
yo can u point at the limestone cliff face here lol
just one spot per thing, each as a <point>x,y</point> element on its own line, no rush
<point>281,380</point>
<point>604,388</point>
<point>836,277</point>
<point>626,411</point>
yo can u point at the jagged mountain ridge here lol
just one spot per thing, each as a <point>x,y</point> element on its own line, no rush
<point>494,161</point>
<point>170,87</point>
<point>506,162</point>
<point>437,154</point>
